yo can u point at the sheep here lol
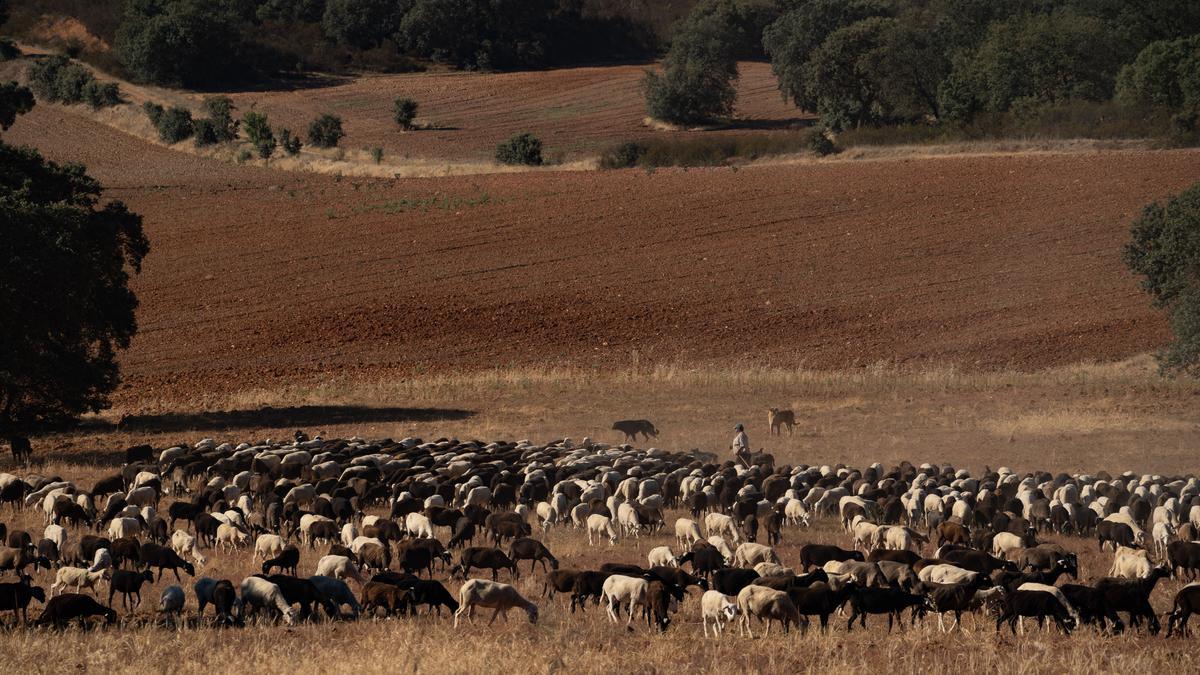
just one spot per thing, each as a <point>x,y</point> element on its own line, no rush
<point>588,584</point>
<point>153,555</point>
<point>601,526</point>
<point>954,597</point>
<point>1187,603</point>
<point>339,567</point>
<point>1162,533</point>
<point>661,555</point>
<point>1008,545</point>
<point>231,537</point>
<point>820,599</point>
<point>268,546</point>
<point>1132,596</point>
<point>863,573</point>
<point>484,558</point>
<point>721,524</point>
<point>767,569</point>
<point>56,534</point>
<point>524,548</point>
<point>128,584</point>
<point>418,525</point>
<point>750,554</point>
<point>947,574</point>
<point>718,542</point>
<point>767,603</point>
<point>258,594</point>
<point>337,592</point>
<point>630,522</point>
<point>101,560</point>
<point>719,608</point>
<point>687,532</point>
<point>1130,563</point>
<point>1035,604</point>
<point>1056,592</point>
<point>816,555</point>
<point>1184,555</point>
<point>490,594</point>
<point>796,513</point>
<point>220,594</point>
<point>120,528</point>
<point>170,603</point>
<point>619,589</point>
<point>890,601</point>
<point>287,561</point>
<point>63,609</point>
<point>560,581</point>
<point>17,559</point>
<point>78,578</point>
<point>392,599</point>
<point>16,597</point>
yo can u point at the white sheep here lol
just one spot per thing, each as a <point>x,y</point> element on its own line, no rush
<point>124,527</point>
<point>619,589</point>
<point>687,532</point>
<point>56,534</point>
<point>795,512</point>
<point>142,496</point>
<point>185,544</point>
<point>78,579</point>
<point>750,554</point>
<point>102,560</point>
<point>268,546</point>
<point>768,569</point>
<point>418,525</point>
<point>721,524</point>
<point>601,526</point>
<point>306,523</point>
<point>946,574</point>
<point>579,514</point>
<point>491,594</point>
<point>301,494</point>
<point>1163,532</point>
<point>766,603</point>
<point>231,537</point>
<point>359,542</point>
<point>258,593</point>
<point>1131,563</point>
<point>627,518</point>
<point>661,556</point>
<point>719,608</point>
<point>721,545</point>
<point>339,567</point>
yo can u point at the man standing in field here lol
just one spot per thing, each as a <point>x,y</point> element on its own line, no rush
<point>741,445</point>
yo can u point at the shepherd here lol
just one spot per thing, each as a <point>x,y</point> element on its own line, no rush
<point>741,445</point>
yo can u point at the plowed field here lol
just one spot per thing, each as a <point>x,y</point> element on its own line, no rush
<point>981,262</point>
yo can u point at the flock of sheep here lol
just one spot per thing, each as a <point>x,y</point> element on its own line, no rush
<point>920,539</point>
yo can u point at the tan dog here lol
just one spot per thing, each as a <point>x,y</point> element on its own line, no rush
<point>777,418</point>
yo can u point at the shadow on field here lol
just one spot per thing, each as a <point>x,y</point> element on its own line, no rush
<point>297,416</point>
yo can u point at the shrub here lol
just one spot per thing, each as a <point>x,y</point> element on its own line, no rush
<point>1161,73</point>
<point>622,156</point>
<point>377,154</point>
<point>405,111</point>
<point>153,111</point>
<point>290,144</point>
<point>819,142</point>
<point>220,113</point>
<point>14,100</point>
<point>175,125</point>
<point>1166,251</point>
<point>101,94</point>
<point>204,132</point>
<point>244,156</point>
<point>520,149</point>
<point>325,131</point>
<point>701,67</point>
<point>258,132</point>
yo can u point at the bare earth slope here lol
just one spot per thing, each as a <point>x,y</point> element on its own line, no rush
<point>988,261</point>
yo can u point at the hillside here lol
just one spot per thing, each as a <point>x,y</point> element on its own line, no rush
<point>975,261</point>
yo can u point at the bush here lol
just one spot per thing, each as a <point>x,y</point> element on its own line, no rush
<point>377,154</point>
<point>819,142</point>
<point>244,156</point>
<point>290,144</point>
<point>520,149</point>
<point>175,125</point>
<point>1166,251</point>
<point>14,100</point>
<point>153,111</point>
<point>701,67</point>
<point>58,79</point>
<point>1161,74</point>
<point>622,156</point>
<point>405,111</point>
<point>325,131</point>
<point>220,114</point>
<point>204,132</point>
<point>258,132</point>
<point>101,94</point>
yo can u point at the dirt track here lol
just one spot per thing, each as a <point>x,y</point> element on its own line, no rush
<point>977,261</point>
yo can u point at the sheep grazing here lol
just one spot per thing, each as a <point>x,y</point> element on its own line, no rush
<point>15,597</point>
<point>687,532</point>
<point>588,584</point>
<point>719,608</point>
<point>268,546</point>
<point>1187,603</point>
<point>337,593</point>
<point>601,526</point>
<point>339,567</point>
<point>490,594</point>
<point>559,581</point>
<point>769,604</point>
<point>61,610</point>
<point>170,603</point>
<point>661,556</point>
<point>287,561</point>
<point>392,599</point>
<point>1184,555</point>
<point>221,595</point>
<point>750,554</point>
<point>484,558</point>
<point>259,594</point>
<point>816,555</point>
<point>154,555</point>
<point>231,537</point>
<point>953,597</point>
<point>128,584</point>
<point>77,578</point>
<point>1037,604</point>
<point>631,591</point>
<point>890,601</point>
<point>1130,563</point>
<point>524,548</point>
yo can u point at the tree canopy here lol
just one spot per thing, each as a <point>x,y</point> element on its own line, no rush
<point>65,264</point>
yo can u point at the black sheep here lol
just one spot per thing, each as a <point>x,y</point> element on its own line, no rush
<point>128,583</point>
<point>816,555</point>
<point>1038,604</point>
<point>588,584</point>
<point>484,558</point>
<point>16,597</point>
<point>288,561</point>
<point>301,592</point>
<point>524,548</point>
<point>732,580</point>
<point>890,601</point>
<point>1187,603</point>
<point>562,581</point>
<point>820,600</point>
<point>155,555</point>
<point>63,609</point>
